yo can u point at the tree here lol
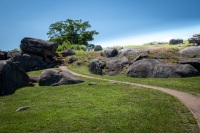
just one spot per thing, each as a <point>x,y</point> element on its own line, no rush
<point>73,31</point>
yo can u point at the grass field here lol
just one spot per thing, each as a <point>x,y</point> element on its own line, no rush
<point>101,108</point>
<point>190,84</point>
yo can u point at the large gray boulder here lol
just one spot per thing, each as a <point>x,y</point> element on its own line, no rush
<point>98,48</point>
<point>38,47</point>
<point>191,50</point>
<point>124,52</point>
<point>143,68</point>
<point>95,67</point>
<point>114,67</point>
<point>174,71</point>
<point>151,68</point>
<point>12,77</point>
<point>68,52</point>
<point>51,77</point>
<point>71,60</point>
<point>109,52</point>
<point>195,62</point>
<point>30,62</point>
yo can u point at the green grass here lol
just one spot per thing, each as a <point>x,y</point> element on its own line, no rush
<point>35,73</point>
<point>190,84</point>
<point>101,108</point>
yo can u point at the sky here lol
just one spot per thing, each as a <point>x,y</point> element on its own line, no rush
<point>119,22</point>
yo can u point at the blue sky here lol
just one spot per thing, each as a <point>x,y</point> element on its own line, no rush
<point>119,22</point>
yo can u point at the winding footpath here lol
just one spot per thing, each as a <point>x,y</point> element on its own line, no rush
<point>190,101</point>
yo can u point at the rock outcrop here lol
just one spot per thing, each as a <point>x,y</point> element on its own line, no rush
<point>125,52</point>
<point>98,48</point>
<point>176,41</point>
<point>191,50</point>
<point>12,77</point>
<point>109,52</point>
<point>114,67</point>
<point>50,77</point>
<point>38,47</point>
<point>30,62</point>
<point>195,62</point>
<point>151,68</point>
<point>95,67</point>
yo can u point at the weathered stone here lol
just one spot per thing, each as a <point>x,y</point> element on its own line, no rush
<point>95,67</point>
<point>114,67</point>
<point>12,77</point>
<point>98,48</point>
<point>195,62</point>
<point>93,83</point>
<point>191,50</point>
<point>22,108</point>
<point>110,52</point>
<point>52,77</point>
<point>71,60</point>
<point>174,71</point>
<point>68,52</point>
<point>125,52</point>
<point>3,55</point>
<point>143,68</point>
<point>32,62</point>
<point>150,68</point>
<point>176,41</point>
<point>38,47</point>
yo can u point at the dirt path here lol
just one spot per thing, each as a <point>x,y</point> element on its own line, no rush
<point>190,101</point>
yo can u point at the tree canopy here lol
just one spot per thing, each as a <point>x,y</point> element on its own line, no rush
<point>72,31</point>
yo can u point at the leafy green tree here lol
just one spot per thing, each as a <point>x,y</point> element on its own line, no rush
<point>73,31</point>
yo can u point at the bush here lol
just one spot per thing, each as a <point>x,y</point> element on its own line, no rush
<point>68,45</point>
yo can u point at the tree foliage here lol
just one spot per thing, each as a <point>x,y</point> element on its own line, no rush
<point>73,31</point>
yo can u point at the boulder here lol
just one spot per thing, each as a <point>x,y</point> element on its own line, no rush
<point>3,55</point>
<point>71,60</point>
<point>125,52</point>
<point>195,39</point>
<point>191,50</point>
<point>174,71</point>
<point>95,67</point>
<point>143,68</point>
<point>98,48</point>
<point>12,77</point>
<point>109,52</point>
<point>114,67</point>
<point>195,62</point>
<point>30,62</point>
<point>38,47</point>
<point>151,68</point>
<point>51,77</point>
<point>68,52</point>
<point>176,41</point>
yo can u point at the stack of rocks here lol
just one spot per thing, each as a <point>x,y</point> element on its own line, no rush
<point>36,54</point>
<point>195,39</point>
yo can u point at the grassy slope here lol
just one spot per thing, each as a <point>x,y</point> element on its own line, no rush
<point>100,108</point>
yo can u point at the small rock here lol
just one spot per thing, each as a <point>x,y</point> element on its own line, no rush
<point>1,103</point>
<point>92,83</point>
<point>113,82</point>
<point>22,108</point>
